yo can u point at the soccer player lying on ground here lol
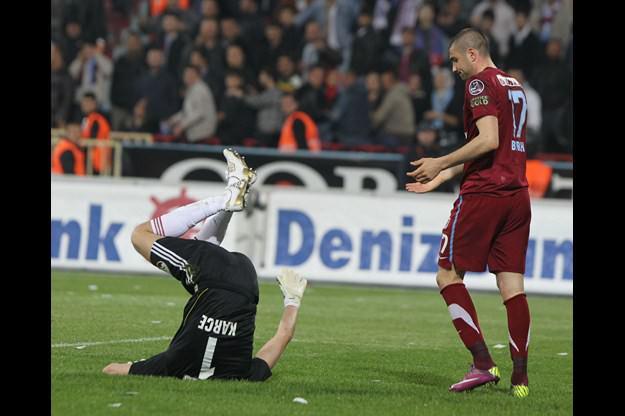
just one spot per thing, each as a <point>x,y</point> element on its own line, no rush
<point>490,222</point>
<point>215,338</point>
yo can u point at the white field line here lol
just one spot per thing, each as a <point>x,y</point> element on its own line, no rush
<point>162,338</point>
<point>117,341</point>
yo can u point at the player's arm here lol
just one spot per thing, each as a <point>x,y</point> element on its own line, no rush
<point>485,142</point>
<point>292,286</point>
<point>441,178</point>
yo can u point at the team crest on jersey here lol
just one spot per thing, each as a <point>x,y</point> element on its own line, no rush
<point>161,265</point>
<point>476,87</point>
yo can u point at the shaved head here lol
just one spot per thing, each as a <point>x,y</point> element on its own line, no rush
<point>471,38</point>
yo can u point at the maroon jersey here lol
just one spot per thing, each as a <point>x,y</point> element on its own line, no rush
<point>501,172</point>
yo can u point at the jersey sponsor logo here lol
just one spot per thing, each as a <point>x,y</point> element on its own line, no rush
<point>508,81</point>
<point>481,100</point>
<point>218,326</point>
<point>476,87</point>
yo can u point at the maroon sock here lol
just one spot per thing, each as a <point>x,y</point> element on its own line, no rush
<point>519,336</point>
<point>464,318</point>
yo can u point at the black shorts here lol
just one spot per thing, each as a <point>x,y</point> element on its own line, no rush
<point>215,338</point>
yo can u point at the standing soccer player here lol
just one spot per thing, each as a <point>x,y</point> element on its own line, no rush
<point>490,221</point>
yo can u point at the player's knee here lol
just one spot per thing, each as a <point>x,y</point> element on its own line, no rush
<point>447,277</point>
<point>137,238</point>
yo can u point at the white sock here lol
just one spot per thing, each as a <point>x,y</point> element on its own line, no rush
<point>178,221</point>
<point>214,228</point>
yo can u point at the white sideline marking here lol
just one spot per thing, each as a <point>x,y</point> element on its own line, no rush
<point>118,341</point>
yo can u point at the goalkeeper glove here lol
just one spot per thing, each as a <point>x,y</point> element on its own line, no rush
<point>292,286</point>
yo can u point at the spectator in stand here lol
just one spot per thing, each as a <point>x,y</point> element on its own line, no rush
<point>299,131</point>
<point>524,46</point>
<point>90,15</point>
<point>350,114</point>
<point>236,119</point>
<point>429,37</point>
<point>139,122</point>
<point>311,96</point>
<point>71,44</point>
<point>446,112</point>
<point>427,145</point>
<point>208,40</point>
<point>450,20</point>
<point>173,43</point>
<point>209,9</point>
<point>336,19</point>
<point>61,89</point>
<point>68,156</point>
<point>272,46</point>
<point>92,70</point>
<point>390,17</point>
<point>158,87</point>
<point>188,18</point>
<point>96,126</point>
<point>236,61</point>
<point>291,34</point>
<point>552,19</point>
<point>374,90</point>
<point>127,71</point>
<point>553,82</point>
<point>503,22</point>
<point>395,117</point>
<point>231,33</point>
<point>269,115</point>
<point>288,79</point>
<point>534,112</point>
<point>421,101</point>
<point>367,46</point>
<point>252,29</point>
<point>198,119</point>
<point>411,59</point>
<point>485,25</point>
<point>427,142</point>
<point>314,47</point>
<point>213,78</point>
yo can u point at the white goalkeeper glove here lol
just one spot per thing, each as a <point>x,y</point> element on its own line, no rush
<point>292,286</point>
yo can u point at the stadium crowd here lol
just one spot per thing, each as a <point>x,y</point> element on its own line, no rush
<point>317,74</point>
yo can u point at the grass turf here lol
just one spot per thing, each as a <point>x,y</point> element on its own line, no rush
<point>357,351</point>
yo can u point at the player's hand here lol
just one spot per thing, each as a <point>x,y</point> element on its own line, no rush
<point>420,188</point>
<point>426,169</point>
<point>292,286</point>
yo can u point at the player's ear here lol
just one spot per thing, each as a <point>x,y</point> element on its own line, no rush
<point>471,54</point>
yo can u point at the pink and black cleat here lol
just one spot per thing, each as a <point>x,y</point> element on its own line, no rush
<point>475,378</point>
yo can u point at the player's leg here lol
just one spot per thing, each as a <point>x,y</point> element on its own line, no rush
<point>176,222</point>
<point>465,320</point>
<point>214,228</point>
<point>507,261</point>
<point>513,296</point>
<point>464,248</point>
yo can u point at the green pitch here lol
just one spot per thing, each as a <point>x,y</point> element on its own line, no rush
<point>357,351</point>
